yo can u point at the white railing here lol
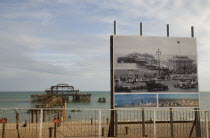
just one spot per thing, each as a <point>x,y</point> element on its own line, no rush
<point>38,122</point>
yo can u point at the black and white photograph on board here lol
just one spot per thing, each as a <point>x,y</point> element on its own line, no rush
<point>155,64</point>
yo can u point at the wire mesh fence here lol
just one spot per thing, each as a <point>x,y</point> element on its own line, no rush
<point>98,123</point>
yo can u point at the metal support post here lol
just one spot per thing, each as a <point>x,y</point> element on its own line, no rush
<point>99,125</point>
<point>207,124</point>
<point>41,120</point>
<point>171,123</point>
<point>140,28</point>
<point>116,123</point>
<point>115,27</point>
<point>143,123</point>
<point>154,123</point>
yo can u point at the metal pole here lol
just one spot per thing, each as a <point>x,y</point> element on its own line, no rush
<point>44,116</point>
<point>207,124</point>
<point>51,132</point>
<point>37,116</point>
<point>143,123</point>
<point>55,130</point>
<point>192,31</point>
<point>17,122</point>
<point>154,123</point>
<point>3,129</point>
<point>91,121</point>
<point>197,123</point>
<point>99,125</point>
<point>41,120</point>
<point>32,116</point>
<point>111,125</point>
<point>116,124</point>
<point>140,28</point>
<point>115,27</point>
<point>167,26</point>
<point>102,131</point>
<point>171,122</point>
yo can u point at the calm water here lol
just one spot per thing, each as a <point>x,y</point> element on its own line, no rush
<point>22,100</point>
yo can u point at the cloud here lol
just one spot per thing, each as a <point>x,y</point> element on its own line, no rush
<point>68,41</point>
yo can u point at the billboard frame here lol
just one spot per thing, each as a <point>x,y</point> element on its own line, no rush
<point>113,126</point>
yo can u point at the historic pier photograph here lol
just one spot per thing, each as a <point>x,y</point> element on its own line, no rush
<point>135,100</point>
<point>178,100</point>
<point>155,64</point>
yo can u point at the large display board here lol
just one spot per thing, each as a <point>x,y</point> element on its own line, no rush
<point>154,71</point>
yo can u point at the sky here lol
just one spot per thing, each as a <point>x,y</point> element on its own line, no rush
<point>125,45</point>
<point>178,96</point>
<point>127,99</point>
<point>46,42</point>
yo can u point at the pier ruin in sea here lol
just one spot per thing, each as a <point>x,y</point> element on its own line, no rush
<point>56,96</point>
<point>58,93</point>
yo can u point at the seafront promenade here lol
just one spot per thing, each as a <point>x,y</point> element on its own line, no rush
<point>95,123</point>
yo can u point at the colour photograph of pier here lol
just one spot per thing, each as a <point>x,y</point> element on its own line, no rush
<point>178,100</point>
<point>135,100</point>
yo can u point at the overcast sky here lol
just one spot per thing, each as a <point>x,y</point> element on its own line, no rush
<point>46,42</point>
<point>124,45</point>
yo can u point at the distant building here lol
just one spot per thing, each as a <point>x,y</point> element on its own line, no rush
<point>178,102</point>
<point>138,58</point>
<point>182,65</point>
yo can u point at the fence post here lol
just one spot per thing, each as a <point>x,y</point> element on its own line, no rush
<point>99,125</point>
<point>17,122</point>
<point>50,132</point>
<point>207,124</point>
<point>154,123</point>
<point>41,120</point>
<point>171,123</point>
<point>197,122</point>
<point>55,130</point>
<point>32,116</point>
<point>116,123</point>
<point>3,129</point>
<point>143,123</point>
<point>91,121</point>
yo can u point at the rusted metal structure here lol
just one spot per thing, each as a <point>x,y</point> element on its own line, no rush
<point>64,91</point>
<point>56,96</point>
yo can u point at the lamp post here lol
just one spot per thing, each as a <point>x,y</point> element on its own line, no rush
<point>178,42</point>
<point>158,52</point>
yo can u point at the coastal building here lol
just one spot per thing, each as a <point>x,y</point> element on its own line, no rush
<point>182,65</point>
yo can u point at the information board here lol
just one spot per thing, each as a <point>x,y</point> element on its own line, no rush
<point>150,71</point>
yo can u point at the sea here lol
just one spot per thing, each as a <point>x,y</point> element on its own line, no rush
<point>22,99</point>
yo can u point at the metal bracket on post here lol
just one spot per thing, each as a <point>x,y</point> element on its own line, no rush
<point>41,120</point>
